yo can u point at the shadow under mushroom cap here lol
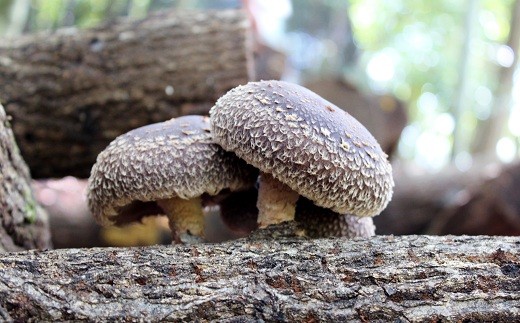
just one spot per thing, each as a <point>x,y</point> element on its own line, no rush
<point>306,142</point>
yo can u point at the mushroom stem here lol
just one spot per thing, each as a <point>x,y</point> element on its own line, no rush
<point>184,215</point>
<point>276,201</point>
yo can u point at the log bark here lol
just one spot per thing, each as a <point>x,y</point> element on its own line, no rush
<point>23,223</point>
<point>72,92</point>
<point>385,278</point>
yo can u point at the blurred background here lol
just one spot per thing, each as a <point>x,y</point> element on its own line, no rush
<point>436,82</point>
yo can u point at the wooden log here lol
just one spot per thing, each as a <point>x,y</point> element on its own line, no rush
<point>491,207</point>
<point>482,200</point>
<point>420,196</point>
<point>385,278</point>
<point>23,223</point>
<point>70,93</point>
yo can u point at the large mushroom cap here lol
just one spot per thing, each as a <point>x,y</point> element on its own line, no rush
<point>306,142</point>
<point>176,158</point>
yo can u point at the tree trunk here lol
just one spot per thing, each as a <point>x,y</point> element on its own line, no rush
<point>385,278</point>
<point>490,130</point>
<point>460,96</point>
<point>23,223</point>
<point>72,92</point>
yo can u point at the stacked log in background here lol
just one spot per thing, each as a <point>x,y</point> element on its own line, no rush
<point>72,92</point>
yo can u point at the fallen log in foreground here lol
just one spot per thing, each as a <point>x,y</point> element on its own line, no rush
<point>409,278</point>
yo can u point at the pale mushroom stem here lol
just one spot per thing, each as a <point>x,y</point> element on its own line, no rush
<point>276,201</point>
<point>184,215</point>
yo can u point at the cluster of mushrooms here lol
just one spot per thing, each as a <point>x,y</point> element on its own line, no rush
<point>310,160</point>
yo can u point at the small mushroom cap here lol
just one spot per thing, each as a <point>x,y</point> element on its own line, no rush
<point>306,142</point>
<point>176,158</point>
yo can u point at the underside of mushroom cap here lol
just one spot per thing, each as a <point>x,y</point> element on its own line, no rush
<point>318,222</point>
<point>306,142</point>
<point>176,158</point>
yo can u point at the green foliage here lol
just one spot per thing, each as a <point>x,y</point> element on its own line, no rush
<point>52,14</point>
<point>424,39</point>
<point>48,14</point>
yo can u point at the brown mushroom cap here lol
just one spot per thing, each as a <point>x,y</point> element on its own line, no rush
<point>307,143</point>
<point>176,158</point>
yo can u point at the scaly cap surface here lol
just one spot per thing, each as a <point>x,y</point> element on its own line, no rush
<point>162,160</point>
<point>306,142</point>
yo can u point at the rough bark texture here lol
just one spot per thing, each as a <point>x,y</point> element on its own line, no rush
<point>23,223</point>
<point>386,278</point>
<point>72,92</point>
